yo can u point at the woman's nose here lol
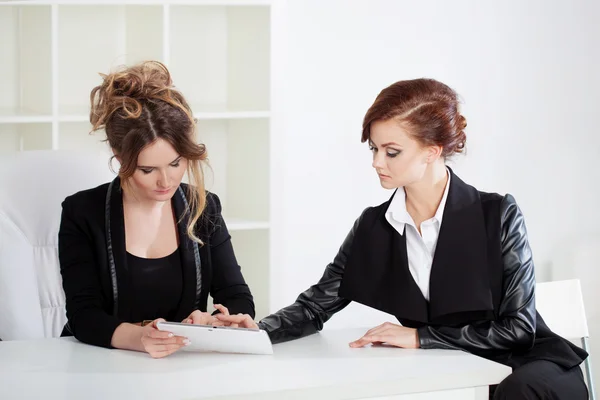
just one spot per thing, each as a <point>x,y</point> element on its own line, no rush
<point>164,180</point>
<point>377,161</point>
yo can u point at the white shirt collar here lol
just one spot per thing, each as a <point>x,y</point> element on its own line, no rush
<point>397,208</point>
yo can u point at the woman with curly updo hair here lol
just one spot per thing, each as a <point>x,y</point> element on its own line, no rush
<point>146,247</point>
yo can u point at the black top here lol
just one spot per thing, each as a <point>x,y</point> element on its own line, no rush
<point>156,284</point>
<point>95,267</point>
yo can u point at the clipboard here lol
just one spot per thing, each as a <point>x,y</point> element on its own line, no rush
<point>220,339</point>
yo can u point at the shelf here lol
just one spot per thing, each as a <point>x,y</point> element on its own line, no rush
<point>228,63</point>
<point>73,118</point>
<point>249,61</point>
<point>74,113</point>
<point>219,56</point>
<point>252,253</point>
<point>25,70</point>
<point>238,155</point>
<point>9,139</point>
<point>79,114</point>
<point>231,115</point>
<point>235,224</point>
<point>22,137</point>
<point>22,116</point>
<point>118,34</point>
<point>76,136</point>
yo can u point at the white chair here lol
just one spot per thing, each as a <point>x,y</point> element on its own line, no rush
<point>33,185</point>
<point>560,304</point>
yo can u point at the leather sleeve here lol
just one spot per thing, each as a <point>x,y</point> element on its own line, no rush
<point>516,325</point>
<point>315,305</point>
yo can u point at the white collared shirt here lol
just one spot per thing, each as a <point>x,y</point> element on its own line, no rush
<point>420,248</point>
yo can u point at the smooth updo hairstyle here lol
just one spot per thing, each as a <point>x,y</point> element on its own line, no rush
<point>427,108</point>
<point>136,106</point>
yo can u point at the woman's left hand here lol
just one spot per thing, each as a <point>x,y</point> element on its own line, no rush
<point>238,321</point>
<point>392,334</point>
<point>200,318</point>
<point>203,318</point>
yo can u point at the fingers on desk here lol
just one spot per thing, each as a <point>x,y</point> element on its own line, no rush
<point>373,339</point>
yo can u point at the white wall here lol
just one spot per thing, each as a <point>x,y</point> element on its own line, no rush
<point>528,74</point>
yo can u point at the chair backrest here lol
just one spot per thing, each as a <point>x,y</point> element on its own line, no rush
<point>560,304</point>
<point>33,185</point>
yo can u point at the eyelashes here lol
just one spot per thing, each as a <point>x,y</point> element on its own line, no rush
<point>389,154</point>
<point>147,171</point>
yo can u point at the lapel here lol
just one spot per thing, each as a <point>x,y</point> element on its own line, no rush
<point>117,255</point>
<point>460,280</point>
<point>377,272</point>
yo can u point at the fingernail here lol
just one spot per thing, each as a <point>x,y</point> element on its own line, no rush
<point>187,342</point>
<point>170,335</point>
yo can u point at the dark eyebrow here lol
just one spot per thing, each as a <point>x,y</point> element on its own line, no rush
<point>172,162</point>
<point>385,144</point>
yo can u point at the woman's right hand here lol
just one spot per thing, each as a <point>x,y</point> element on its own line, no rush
<point>161,343</point>
<point>239,320</point>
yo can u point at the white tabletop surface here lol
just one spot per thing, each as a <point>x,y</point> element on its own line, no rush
<point>318,366</point>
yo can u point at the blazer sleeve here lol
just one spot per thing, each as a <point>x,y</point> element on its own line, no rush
<point>87,319</point>
<point>516,325</point>
<point>228,286</point>
<point>316,305</point>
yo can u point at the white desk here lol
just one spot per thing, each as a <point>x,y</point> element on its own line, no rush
<point>320,366</point>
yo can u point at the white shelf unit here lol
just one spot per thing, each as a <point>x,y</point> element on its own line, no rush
<point>219,55</point>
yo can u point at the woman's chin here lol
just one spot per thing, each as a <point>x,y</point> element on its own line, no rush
<point>387,184</point>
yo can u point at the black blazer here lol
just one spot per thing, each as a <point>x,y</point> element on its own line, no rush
<point>482,284</point>
<point>93,263</point>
